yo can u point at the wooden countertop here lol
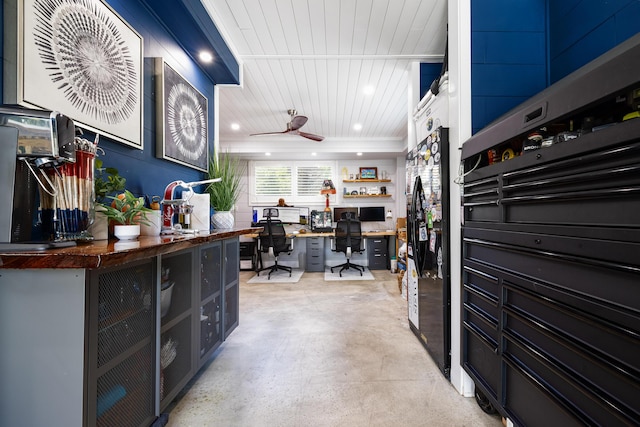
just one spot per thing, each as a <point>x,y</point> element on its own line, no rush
<point>380,233</point>
<point>105,253</point>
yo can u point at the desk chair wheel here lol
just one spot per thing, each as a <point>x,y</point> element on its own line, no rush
<point>346,266</point>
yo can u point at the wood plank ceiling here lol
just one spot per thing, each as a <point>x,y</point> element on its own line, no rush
<point>317,56</point>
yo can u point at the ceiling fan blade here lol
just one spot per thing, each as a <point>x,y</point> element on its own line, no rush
<point>269,133</point>
<point>311,136</point>
<point>297,122</point>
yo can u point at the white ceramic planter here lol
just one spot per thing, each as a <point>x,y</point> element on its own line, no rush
<point>154,226</point>
<point>222,220</point>
<point>126,232</point>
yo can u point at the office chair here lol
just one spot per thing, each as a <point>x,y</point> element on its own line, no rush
<point>273,239</point>
<point>348,237</point>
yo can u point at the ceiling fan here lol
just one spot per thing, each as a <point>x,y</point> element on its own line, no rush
<point>293,127</point>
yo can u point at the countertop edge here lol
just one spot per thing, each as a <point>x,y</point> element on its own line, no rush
<point>113,252</point>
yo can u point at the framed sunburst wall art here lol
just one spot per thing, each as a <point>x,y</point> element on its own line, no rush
<point>182,133</point>
<point>81,58</point>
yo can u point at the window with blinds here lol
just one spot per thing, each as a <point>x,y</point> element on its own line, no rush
<point>273,180</point>
<point>311,178</point>
<point>296,182</point>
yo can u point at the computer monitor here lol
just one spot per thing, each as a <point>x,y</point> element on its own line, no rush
<point>372,213</point>
<point>288,215</point>
<point>338,212</point>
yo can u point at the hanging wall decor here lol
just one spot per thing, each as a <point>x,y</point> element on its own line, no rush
<point>182,131</point>
<point>78,57</point>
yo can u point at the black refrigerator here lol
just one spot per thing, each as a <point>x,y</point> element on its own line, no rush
<point>428,275</point>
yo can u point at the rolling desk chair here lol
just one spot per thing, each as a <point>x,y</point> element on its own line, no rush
<point>348,238</point>
<point>273,240</point>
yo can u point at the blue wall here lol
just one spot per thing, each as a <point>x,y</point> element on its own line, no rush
<point>508,56</point>
<point>520,47</point>
<point>428,73</point>
<point>145,173</point>
<point>581,30</point>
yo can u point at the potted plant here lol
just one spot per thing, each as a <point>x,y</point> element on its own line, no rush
<point>107,182</point>
<point>127,212</point>
<point>223,195</point>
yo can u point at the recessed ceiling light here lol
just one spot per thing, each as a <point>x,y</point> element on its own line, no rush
<point>358,154</point>
<point>205,56</point>
<point>368,90</point>
<point>235,126</point>
<point>267,154</point>
<point>357,126</point>
<point>314,154</point>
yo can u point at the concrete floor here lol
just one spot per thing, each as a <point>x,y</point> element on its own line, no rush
<point>318,353</point>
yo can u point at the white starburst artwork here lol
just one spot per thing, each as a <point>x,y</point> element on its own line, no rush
<point>182,119</point>
<point>82,59</point>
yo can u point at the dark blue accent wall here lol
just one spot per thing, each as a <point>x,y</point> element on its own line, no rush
<point>508,56</point>
<point>581,30</point>
<point>428,73</point>
<point>145,173</point>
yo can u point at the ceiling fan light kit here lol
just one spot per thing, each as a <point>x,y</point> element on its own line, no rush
<point>293,127</point>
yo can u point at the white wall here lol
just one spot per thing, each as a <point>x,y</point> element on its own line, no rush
<point>394,169</point>
<point>459,131</point>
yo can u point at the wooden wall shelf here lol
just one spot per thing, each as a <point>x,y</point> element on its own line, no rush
<point>366,180</point>
<point>363,196</point>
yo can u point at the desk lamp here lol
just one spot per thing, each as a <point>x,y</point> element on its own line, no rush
<point>327,189</point>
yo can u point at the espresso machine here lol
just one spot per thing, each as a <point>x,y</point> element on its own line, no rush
<point>178,208</point>
<point>33,143</point>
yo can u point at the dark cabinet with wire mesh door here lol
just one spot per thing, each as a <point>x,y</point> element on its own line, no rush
<point>231,279</point>
<point>176,323</point>
<point>210,300</point>
<point>121,345</point>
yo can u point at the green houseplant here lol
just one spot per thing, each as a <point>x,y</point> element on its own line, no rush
<point>223,195</point>
<point>107,181</point>
<point>127,212</point>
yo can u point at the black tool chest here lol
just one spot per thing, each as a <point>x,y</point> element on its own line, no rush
<point>551,252</point>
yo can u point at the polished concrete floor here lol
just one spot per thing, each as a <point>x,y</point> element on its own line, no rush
<point>318,353</point>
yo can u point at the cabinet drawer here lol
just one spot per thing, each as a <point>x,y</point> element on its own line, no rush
<point>377,244</point>
<point>566,273</point>
<point>314,243</point>
<point>481,360</point>
<point>481,200</point>
<point>377,261</point>
<point>314,265</point>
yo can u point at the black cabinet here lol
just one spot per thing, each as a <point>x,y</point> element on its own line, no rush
<point>377,253</point>
<point>231,280</point>
<point>551,308</point>
<point>209,318</point>
<point>315,254</point>
<point>176,331</point>
<point>134,362</point>
<point>121,346</point>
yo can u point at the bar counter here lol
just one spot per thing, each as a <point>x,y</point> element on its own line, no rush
<point>113,252</point>
<point>82,326</point>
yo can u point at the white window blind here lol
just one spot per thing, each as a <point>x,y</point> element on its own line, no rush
<point>310,179</point>
<point>273,180</point>
<point>297,182</point>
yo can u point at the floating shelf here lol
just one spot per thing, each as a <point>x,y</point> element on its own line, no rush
<point>363,196</point>
<point>366,180</point>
